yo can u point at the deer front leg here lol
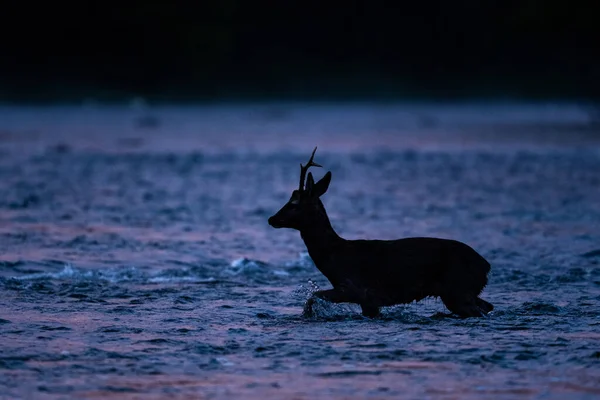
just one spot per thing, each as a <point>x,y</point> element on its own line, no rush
<point>342,295</point>
<point>331,295</point>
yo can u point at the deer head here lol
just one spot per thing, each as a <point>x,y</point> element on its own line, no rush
<point>304,205</point>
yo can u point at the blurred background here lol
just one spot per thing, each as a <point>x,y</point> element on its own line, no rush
<point>239,50</point>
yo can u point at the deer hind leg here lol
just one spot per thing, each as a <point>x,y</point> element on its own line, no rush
<point>369,311</point>
<point>460,289</point>
<point>465,307</point>
<point>484,305</point>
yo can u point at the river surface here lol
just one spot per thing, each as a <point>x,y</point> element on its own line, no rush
<point>136,261</point>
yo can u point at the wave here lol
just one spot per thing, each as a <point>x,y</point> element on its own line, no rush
<point>242,268</point>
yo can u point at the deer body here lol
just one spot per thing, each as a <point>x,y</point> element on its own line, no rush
<point>377,273</point>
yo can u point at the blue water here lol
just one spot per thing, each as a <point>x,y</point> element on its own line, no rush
<point>136,260</point>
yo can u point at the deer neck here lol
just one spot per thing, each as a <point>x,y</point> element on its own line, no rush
<point>320,238</point>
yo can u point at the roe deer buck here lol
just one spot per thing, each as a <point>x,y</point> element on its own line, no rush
<point>377,273</point>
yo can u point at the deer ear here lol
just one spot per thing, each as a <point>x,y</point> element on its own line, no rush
<point>310,183</point>
<point>321,187</point>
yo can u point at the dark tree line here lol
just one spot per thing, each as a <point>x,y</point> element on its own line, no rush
<point>225,48</point>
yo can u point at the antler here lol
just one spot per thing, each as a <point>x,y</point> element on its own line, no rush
<point>304,168</point>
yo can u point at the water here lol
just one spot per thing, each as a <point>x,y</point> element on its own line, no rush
<point>136,260</point>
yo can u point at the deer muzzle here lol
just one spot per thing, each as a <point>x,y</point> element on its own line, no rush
<point>274,222</point>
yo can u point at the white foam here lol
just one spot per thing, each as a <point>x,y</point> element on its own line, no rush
<point>175,279</point>
<point>68,272</point>
<point>246,266</point>
<point>303,261</point>
<point>116,275</point>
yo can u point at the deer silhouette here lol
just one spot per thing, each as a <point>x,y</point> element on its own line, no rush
<point>378,273</point>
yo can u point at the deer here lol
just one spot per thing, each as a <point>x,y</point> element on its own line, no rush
<point>381,273</point>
